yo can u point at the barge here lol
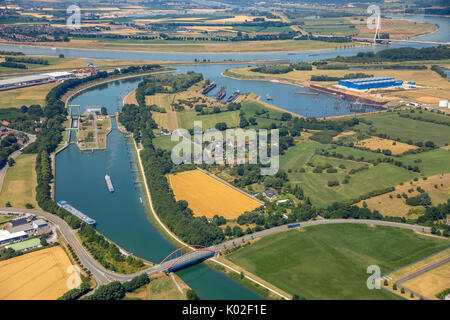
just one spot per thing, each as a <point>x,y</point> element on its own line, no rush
<point>109,183</point>
<point>80,215</point>
<point>208,88</point>
<point>221,94</point>
<point>234,96</point>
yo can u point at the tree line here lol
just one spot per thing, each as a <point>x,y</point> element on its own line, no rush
<point>398,54</point>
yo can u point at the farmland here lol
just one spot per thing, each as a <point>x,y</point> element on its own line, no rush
<point>304,261</point>
<point>207,196</point>
<point>430,162</point>
<point>432,282</point>
<point>390,204</point>
<point>39,275</point>
<point>56,63</point>
<point>25,96</point>
<point>186,119</point>
<point>405,129</point>
<point>314,184</point>
<point>375,143</point>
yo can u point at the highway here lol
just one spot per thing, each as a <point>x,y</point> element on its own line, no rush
<point>104,276</point>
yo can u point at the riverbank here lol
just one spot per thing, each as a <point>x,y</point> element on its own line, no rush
<point>241,47</point>
<point>429,84</point>
<point>174,238</point>
<point>72,93</point>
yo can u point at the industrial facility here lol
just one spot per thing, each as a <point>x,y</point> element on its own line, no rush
<point>31,80</point>
<point>371,83</point>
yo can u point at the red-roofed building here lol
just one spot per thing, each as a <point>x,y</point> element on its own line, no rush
<point>5,123</point>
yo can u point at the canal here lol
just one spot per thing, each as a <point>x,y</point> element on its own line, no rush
<point>122,216</point>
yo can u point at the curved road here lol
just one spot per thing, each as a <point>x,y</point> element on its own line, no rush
<point>104,276</point>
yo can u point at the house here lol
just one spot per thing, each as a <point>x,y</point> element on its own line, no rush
<point>43,230</point>
<point>270,194</point>
<point>165,132</point>
<point>5,123</point>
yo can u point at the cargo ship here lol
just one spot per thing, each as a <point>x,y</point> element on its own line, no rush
<point>76,213</point>
<point>109,183</point>
<point>221,94</point>
<point>208,88</point>
<point>234,96</point>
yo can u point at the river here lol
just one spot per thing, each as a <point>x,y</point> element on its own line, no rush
<point>121,216</point>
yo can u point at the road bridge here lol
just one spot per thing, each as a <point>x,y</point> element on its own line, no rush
<point>405,40</point>
<point>172,262</point>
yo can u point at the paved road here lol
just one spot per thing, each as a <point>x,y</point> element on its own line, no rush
<point>103,276</point>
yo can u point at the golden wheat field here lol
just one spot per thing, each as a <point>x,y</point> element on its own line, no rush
<point>39,275</point>
<point>375,143</point>
<point>207,196</point>
<point>432,282</point>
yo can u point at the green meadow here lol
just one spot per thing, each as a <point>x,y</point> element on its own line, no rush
<point>330,261</point>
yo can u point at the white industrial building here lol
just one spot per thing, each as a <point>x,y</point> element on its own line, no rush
<point>24,81</point>
<point>31,80</point>
<point>6,237</point>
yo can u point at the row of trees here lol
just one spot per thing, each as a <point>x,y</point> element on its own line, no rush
<point>282,68</point>
<point>166,84</point>
<point>27,60</point>
<point>9,64</point>
<point>7,146</point>
<point>116,290</point>
<point>324,77</point>
<point>399,54</point>
<point>107,253</point>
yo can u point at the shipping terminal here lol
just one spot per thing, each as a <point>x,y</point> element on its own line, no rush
<point>76,213</point>
<point>109,183</point>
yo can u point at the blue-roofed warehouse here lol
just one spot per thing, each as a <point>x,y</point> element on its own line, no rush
<point>370,83</point>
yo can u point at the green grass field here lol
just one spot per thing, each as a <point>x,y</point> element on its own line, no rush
<point>250,107</point>
<point>407,129</point>
<point>20,183</point>
<point>315,185</point>
<point>164,142</point>
<point>430,116</point>
<point>330,261</point>
<point>347,151</point>
<point>25,96</point>
<point>431,162</point>
<point>186,119</point>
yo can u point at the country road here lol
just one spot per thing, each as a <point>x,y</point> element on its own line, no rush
<point>104,276</point>
<point>418,273</point>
